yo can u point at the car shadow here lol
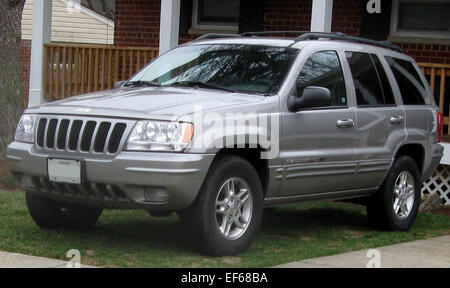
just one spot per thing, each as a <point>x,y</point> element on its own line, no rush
<point>314,218</point>
<point>136,231</point>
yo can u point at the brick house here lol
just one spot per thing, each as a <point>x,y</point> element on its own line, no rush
<point>137,22</point>
<point>96,29</point>
<point>144,28</point>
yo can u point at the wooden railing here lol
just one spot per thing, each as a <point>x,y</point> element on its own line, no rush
<point>438,73</point>
<point>76,69</point>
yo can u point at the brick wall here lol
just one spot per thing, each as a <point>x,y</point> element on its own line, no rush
<point>346,17</point>
<point>137,21</point>
<point>427,53</point>
<point>288,15</point>
<point>25,53</point>
<point>137,24</point>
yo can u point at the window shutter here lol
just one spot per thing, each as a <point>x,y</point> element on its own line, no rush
<point>185,16</point>
<point>376,26</point>
<point>251,18</point>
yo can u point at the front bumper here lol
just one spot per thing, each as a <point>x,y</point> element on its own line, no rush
<point>154,181</point>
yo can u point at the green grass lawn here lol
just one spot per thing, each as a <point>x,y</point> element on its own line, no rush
<point>134,239</point>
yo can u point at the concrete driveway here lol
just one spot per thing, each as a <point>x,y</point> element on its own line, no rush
<point>14,260</point>
<point>430,253</point>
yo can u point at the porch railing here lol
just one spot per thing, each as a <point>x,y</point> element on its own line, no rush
<point>437,74</point>
<point>72,69</point>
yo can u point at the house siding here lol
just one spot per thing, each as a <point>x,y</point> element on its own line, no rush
<point>66,27</point>
<point>71,27</point>
<point>137,24</point>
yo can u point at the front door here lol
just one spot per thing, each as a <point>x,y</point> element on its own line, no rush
<point>317,146</point>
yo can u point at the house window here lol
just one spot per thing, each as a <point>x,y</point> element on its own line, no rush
<point>216,15</point>
<point>420,19</point>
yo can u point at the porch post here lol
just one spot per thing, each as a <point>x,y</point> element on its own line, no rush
<point>322,12</point>
<point>42,30</point>
<point>169,25</point>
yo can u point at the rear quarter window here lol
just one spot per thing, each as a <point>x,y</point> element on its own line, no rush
<point>409,82</point>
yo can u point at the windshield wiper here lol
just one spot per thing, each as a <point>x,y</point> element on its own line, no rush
<point>201,85</point>
<point>141,83</point>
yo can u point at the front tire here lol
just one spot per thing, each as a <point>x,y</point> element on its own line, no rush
<point>50,214</point>
<point>226,216</point>
<point>395,205</point>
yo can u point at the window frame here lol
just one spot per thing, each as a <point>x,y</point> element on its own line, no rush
<point>395,32</point>
<point>209,27</point>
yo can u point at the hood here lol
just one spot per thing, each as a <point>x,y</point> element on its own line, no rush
<point>166,103</point>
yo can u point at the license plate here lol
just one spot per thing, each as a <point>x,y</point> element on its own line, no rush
<point>64,171</point>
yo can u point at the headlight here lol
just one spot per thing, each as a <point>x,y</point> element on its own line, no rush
<point>25,129</point>
<point>160,136</point>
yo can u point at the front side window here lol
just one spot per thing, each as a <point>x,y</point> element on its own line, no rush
<point>408,80</point>
<point>236,68</point>
<point>323,69</point>
<point>367,80</point>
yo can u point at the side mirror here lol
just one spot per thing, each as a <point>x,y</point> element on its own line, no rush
<point>312,97</point>
<point>119,84</point>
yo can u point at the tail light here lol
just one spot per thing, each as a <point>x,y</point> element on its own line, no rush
<point>440,126</point>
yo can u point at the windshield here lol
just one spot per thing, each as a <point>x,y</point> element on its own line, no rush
<point>234,68</point>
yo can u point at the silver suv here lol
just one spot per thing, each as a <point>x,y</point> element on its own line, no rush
<point>322,116</point>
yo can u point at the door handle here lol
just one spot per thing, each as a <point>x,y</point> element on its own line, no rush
<point>346,123</point>
<point>397,120</point>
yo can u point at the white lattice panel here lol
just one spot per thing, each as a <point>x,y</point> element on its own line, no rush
<point>439,183</point>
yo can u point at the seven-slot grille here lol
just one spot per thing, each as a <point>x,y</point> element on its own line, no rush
<point>80,135</point>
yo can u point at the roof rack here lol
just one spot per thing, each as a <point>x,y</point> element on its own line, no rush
<point>308,35</point>
<point>216,36</point>
<point>343,37</point>
<point>264,33</point>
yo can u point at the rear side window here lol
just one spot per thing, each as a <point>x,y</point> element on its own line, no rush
<point>408,80</point>
<point>387,88</point>
<point>369,82</point>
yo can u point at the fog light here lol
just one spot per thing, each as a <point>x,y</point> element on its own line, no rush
<point>156,195</point>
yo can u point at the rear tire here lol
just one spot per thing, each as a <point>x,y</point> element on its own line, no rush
<point>50,214</point>
<point>396,203</point>
<point>232,193</point>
